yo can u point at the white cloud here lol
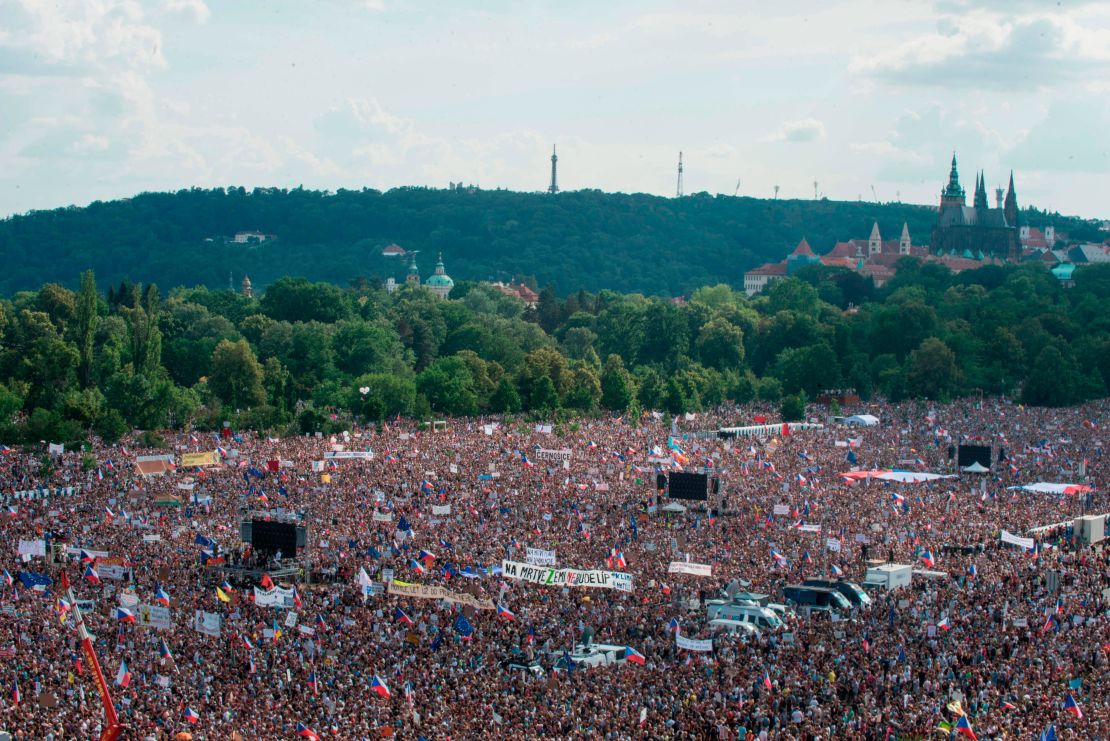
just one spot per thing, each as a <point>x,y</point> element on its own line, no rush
<point>983,50</point>
<point>802,130</point>
<point>197,10</point>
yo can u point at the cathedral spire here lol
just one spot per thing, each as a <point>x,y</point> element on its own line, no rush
<point>954,190</point>
<point>981,191</point>
<point>1010,207</point>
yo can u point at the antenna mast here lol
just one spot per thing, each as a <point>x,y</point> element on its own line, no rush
<point>554,187</point>
<point>678,190</point>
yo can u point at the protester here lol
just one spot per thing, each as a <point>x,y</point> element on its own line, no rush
<point>1007,640</point>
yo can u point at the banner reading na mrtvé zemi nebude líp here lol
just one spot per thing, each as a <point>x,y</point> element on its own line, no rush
<point>586,578</point>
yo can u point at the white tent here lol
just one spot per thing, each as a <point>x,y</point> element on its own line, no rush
<point>976,467</point>
<point>673,507</point>
<point>862,420</point>
<point>912,477</point>
<point>1043,487</point>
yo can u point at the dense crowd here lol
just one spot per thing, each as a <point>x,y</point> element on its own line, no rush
<point>1006,636</point>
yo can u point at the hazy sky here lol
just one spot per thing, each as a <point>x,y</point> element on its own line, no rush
<point>106,98</point>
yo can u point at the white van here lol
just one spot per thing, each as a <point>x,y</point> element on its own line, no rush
<point>761,617</point>
<point>744,630</point>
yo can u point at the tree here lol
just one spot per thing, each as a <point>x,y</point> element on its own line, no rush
<point>449,387</point>
<point>931,370</point>
<point>793,408</point>
<point>720,344</point>
<point>505,399</point>
<point>585,388</point>
<point>86,320</point>
<point>236,376</point>
<point>617,387</point>
<point>386,395</point>
<point>296,299</point>
<point>1054,380</point>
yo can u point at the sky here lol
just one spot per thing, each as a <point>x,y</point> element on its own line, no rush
<point>103,99</point>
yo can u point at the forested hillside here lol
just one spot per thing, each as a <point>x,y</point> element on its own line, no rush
<point>576,240</point>
<point>312,356</point>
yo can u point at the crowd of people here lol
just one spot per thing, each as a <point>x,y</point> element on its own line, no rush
<point>1003,639</point>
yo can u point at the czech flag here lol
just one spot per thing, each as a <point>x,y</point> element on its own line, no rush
<point>87,557</point>
<point>378,685</point>
<point>124,615</point>
<point>164,649</point>
<point>927,558</point>
<point>418,567</point>
<point>8,578</point>
<point>972,571</point>
<point>505,612</point>
<point>305,732</point>
<point>247,641</point>
<point>108,511</point>
<point>531,636</point>
<point>963,726</point>
<point>780,559</point>
<point>312,684</point>
<point>767,681</point>
<point>673,625</point>
<point>191,715</point>
<point>616,558</point>
<point>401,616</point>
<point>631,654</point>
<point>161,597</point>
<point>836,570</point>
<point>425,556</point>
<point>15,694</point>
<point>1072,706</point>
<point>320,622</point>
<point>123,676</point>
<point>943,624</point>
<point>806,558</point>
<point>91,575</point>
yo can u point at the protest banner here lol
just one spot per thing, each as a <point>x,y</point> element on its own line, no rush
<point>276,597</point>
<point>426,591</point>
<point>685,567</point>
<point>207,623</point>
<point>347,455</point>
<point>441,509</point>
<point>807,528</point>
<point>781,509</point>
<point>833,544</point>
<point>154,616</point>
<point>693,644</point>
<point>189,460</point>
<point>382,517</point>
<point>588,578</point>
<point>559,456</point>
<point>540,557</point>
<point>1007,537</point>
<point>32,547</point>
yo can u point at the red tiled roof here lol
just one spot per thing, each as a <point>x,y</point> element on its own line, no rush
<point>803,248</point>
<point>771,268</point>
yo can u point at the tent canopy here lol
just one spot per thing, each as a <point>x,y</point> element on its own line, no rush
<point>976,467</point>
<point>904,477</point>
<point>862,420</point>
<point>673,507</point>
<point>1044,487</point>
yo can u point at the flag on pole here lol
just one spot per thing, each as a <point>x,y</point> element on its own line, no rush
<point>123,676</point>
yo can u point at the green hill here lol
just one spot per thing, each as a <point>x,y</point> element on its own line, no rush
<point>584,239</point>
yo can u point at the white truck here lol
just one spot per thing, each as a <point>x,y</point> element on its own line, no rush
<point>888,576</point>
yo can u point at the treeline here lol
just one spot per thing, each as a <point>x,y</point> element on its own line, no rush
<point>584,239</point>
<point>311,356</point>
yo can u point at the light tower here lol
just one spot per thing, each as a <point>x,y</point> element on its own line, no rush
<point>678,190</point>
<point>554,187</point>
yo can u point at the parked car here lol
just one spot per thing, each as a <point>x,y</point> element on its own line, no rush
<point>852,591</point>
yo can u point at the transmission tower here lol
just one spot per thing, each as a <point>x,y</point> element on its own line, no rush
<point>678,190</point>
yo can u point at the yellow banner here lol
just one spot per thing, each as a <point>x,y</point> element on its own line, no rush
<point>189,460</point>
